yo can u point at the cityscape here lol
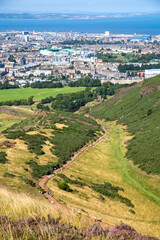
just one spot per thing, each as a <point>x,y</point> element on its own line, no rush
<point>27,56</point>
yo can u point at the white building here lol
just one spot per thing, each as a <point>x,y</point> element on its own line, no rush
<point>151,73</point>
<point>107,34</point>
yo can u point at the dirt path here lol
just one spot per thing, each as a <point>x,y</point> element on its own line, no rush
<point>43,181</point>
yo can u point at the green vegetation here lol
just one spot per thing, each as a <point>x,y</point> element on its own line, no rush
<point>18,102</point>
<point>25,93</point>
<point>128,57</point>
<point>30,182</point>
<point>85,82</point>
<point>64,186</point>
<point>77,130</point>
<point>40,170</point>
<point>106,162</point>
<point>131,67</point>
<point>3,158</point>
<point>81,42</point>
<point>71,181</point>
<point>139,109</point>
<point>105,189</point>
<point>6,85</point>
<point>46,84</point>
<point>34,142</point>
<point>73,101</point>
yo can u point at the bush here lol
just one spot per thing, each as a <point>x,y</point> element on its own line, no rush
<point>64,186</point>
<point>3,158</point>
<point>30,182</point>
<point>9,175</point>
<point>132,211</point>
<point>149,112</point>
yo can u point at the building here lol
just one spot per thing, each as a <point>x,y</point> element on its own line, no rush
<point>26,38</point>
<point>107,34</point>
<point>151,73</point>
<point>22,61</point>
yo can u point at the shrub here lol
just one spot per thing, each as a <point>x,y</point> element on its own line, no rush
<point>64,186</point>
<point>3,158</point>
<point>132,211</point>
<point>30,182</point>
<point>149,112</point>
<point>9,175</point>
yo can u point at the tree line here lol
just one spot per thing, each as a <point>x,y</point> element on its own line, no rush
<point>6,85</point>
<point>19,102</point>
<point>131,67</point>
<point>85,82</point>
<point>46,84</point>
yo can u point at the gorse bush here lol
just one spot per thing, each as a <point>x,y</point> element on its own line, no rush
<point>64,186</point>
<point>40,170</point>
<point>34,142</point>
<point>30,182</point>
<point>107,189</point>
<point>68,180</point>
<point>3,158</point>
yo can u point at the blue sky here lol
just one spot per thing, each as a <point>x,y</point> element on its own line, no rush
<point>75,6</point>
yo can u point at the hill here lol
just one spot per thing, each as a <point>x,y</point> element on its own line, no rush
<point>37,143</point>
<point>138,109</point>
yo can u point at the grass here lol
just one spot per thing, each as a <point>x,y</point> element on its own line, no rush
<point>19,206</point>
<point>106,162</point>
<point>138,109</point>
<point>25,93</point>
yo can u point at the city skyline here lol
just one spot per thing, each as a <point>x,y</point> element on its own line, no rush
<point>90,6</point>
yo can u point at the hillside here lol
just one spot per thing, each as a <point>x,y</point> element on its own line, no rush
<point>34,146</point>
<point>139,110</point>
<point>37,143</point>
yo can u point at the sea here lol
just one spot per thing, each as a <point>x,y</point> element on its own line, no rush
<point>144,24</point>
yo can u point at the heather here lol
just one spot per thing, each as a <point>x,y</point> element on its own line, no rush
<point>52,228</point>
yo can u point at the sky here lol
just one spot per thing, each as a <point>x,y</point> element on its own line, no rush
<point>80,6</point>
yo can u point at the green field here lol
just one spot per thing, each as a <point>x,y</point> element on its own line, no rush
<point>25,93</point>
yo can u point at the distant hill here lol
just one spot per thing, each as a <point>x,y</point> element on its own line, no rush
<point>138,107</point>
<point>53,16</point>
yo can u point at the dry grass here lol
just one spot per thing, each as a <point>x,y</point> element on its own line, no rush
<point>19,206</point>
<point>106,162</point>
<point>60,125</point>
<point>48,156</point>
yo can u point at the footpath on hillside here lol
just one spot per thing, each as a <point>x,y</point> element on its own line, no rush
<point>43,181</point>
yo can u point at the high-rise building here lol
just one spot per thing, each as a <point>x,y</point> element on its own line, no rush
<point>26,38</point>
<point>22,61</point>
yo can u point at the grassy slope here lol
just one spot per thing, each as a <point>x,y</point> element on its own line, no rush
<point>132,110</point>
<point>106,162</point>
<point>25,93</point>
<point>19,206</point>
<point>19,153</point>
